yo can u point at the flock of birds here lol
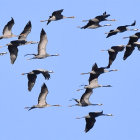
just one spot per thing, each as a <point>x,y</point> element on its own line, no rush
<point>95,71</point>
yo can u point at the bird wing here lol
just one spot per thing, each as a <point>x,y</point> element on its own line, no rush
<point>89,123</point>
<point>31,81</point>
<point>112,32</point>
<point>42,43</point>
<point>132,39</point>
<point>112,57</point>
<point>118,48</point>
<point>13,50</point>
<point>94,67</point>
<point>90,22</point>
<point>26,31</point>
<point>46,75</point>
<point>94,82</point>
<point>58,12</point>
<point>128,51</point>
<point>42,95</point>
<point>8,27</point>
<point>85,97</point>
<point>92,77</point>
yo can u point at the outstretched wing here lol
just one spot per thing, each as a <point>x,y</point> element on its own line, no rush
<point>46,75</point>
<point>129,50</point>
<point>13,50</point>
<point>42,95</point>
<point>26,31</point>
<point>58,12</point>
<point>112,32</point>
<point>94,67</point>
<point>8,27</point>
<point>31,81</point>
<point>89,123</point>
<point>85,97</point>
<point>90,22</point>
<point>42,43</point>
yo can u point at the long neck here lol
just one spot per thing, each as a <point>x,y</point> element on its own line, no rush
<point>85,73</point>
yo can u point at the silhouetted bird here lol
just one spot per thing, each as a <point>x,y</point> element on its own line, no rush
<point>42,47</point>
<point>121,29</point>
<point>113,51</point>
<point>33,75</point>
<point>56,15</point>
<point>90,119</point>
<point>84,100</point>
<point>41,99</point>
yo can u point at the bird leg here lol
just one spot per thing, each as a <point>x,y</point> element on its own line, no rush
<point>71,17</point>
<point>80,89</point>
<point>113,70</point>
<point>106,86</point>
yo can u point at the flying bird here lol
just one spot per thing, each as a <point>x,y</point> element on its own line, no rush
<point>97,71</point>
<point>56,15</point>
<point>101,18</point>
<point>7,31</point>
<point>23,36</point>
<point>33,75</point>
<point>42,47</point>
<point>113,51</point>
<point>41,99</point>
<point>121,29</point>
<point>131,45</point>
<point>84,100</point>
<point>93,83</point>
<point>91,119</point>
<point>93,25</point>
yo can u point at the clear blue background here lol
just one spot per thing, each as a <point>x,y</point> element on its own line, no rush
<point>79,50</point>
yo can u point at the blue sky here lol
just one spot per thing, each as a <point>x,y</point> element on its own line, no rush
<point>79,50</point>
